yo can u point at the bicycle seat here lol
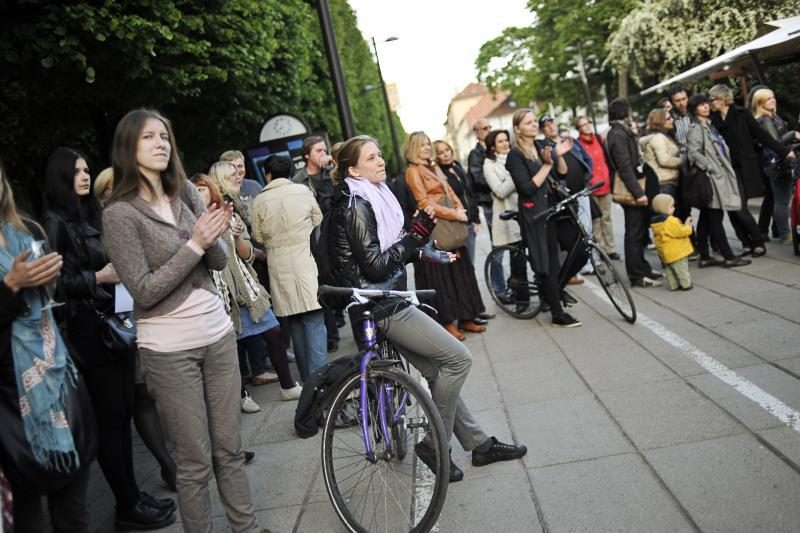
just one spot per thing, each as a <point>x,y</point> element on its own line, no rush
<point>509,215</point>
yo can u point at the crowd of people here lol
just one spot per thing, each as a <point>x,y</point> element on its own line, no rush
<point>223,274</point>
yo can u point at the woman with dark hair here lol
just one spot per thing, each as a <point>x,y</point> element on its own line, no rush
<point>504,198</point>
<point>370,249</point>
<point>163,240</point>
<point>709,152</point>
<point>662,153</point>
<point>40,448</point>
<point>626,157</point>
<point>86,284</point>
<point>458,299</point>
<point>534,186</point>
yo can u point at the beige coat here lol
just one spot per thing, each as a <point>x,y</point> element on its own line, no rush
<point>504,198</point>
<point>283,216</point>
<point>663,155</point>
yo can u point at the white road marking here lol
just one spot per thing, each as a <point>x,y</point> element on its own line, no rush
<point>745,387</point>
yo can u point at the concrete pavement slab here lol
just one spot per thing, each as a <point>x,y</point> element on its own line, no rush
<point>731,484</point>
<point>606,494</point>
<point>786,440</point>
<point>494,503</point>
<point>565,430</point>
<point>772,338</point>
<point>779,384</point>
<point>536,379</point>
<point>666,413</point>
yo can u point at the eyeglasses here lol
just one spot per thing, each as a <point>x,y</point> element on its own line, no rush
<point>584,124</point>
<point>485,128</point>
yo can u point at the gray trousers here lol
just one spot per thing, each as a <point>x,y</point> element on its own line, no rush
<point>445,363</point>
<point>197,393</point>
<point>602,229</point>
<point>678,276</point>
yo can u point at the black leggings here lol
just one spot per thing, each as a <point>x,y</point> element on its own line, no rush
<point>567,235</point>
<point>710,226</point>
<point>109,381</point>
<point>271,343</point>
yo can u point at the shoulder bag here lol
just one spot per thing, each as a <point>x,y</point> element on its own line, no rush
<point>695,185</point>
<point>449,234</point>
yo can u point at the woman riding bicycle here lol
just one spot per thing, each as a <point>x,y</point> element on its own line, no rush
<point>369,249</point>
<point>541,236</point>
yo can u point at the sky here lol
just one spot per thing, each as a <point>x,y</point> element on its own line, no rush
<point>434,56</point>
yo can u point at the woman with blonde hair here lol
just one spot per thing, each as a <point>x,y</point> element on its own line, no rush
<point>531,178</point>
<point>457,295</point>
<point>777,169</point>
<point>258,333</point>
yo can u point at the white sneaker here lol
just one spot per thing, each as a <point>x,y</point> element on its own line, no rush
<point>290,356</point>
<point>288,395</point>
<point>249,405</point>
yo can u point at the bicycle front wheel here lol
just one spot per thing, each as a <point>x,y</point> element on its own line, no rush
<point>511,282</point>
<point>612,284</point>
<point>390,488</point>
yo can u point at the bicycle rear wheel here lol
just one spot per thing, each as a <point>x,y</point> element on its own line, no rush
<point>392,489</point>
<point>612,283</point>
<point>508,267</point>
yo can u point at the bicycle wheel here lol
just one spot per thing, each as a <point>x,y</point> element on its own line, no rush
<point>382,491</point>
<point>612,283</point>
<point>507,266</point>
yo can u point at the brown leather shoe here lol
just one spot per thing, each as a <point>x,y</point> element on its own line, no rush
<point>453,330</point>
<point>469,325</point>
<point>575,280</point>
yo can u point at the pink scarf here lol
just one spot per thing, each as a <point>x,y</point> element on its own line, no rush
<point>388,213</point>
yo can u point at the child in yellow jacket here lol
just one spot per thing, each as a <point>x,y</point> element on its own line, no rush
<point>672,241</point>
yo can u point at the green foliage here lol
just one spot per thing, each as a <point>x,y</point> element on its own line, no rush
<point>69,70</point>
<point>535,65</point>
<point>661,38</point>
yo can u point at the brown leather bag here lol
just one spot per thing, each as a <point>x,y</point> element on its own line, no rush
<point>620,193</point>
<point>449,234</point>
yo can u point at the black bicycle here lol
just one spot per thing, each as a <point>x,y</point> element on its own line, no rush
<point>520,294</point>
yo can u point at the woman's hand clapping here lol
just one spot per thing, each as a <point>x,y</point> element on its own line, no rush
<point>211,225</point>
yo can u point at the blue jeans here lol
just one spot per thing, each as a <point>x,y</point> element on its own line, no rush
<point>496,275</point>
<point>310,341</point>
<point>782,195</point>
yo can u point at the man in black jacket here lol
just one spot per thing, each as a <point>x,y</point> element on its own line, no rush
<point>623,148</point>
<point>741,131</point>
<point>477,156</point>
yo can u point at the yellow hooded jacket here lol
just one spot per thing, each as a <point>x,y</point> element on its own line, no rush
<point>671,238</point>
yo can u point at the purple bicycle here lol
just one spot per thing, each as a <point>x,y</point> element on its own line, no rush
<point>378,414</point>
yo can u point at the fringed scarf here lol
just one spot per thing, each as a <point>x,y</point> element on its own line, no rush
<point>238,285</point>
<point>43,369</point>
<point>388,213</point>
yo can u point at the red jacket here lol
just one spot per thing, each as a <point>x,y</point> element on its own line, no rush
<point>600,171</point>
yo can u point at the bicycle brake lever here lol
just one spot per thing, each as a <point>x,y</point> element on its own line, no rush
<point>426,306</point>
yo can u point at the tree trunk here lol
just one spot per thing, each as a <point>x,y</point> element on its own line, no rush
<point>622,82</point>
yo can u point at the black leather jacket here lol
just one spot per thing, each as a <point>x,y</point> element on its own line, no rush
<point>356,257</point>
<point>80,245</point>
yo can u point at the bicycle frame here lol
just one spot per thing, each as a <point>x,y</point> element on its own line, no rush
<point>384,393</point>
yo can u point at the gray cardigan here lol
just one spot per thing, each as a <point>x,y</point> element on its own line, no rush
<point>152,257</point>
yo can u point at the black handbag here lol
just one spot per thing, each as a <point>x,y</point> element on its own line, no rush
<point>696,188</point>
<point>23,471</point>
<point>118,331</point>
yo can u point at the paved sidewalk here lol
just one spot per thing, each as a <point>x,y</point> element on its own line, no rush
<point>667,425</point>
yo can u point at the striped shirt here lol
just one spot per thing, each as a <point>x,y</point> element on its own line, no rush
<point>682,131</point>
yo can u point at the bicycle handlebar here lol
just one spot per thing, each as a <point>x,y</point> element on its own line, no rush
<point>568,200</point>
<point>363,295</point>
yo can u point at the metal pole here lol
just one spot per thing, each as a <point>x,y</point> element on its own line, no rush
<point>335,65</point>
<point>395,145</point>
<point>762,78</point>
<point>585,80</point>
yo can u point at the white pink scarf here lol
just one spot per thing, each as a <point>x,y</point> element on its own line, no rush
<point>388,213</point>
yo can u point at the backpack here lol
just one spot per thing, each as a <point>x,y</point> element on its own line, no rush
<point>320,241</point>
<point>316,399</point>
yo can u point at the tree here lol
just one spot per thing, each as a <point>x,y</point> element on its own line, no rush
<point>69,70</point>
<point>535,64</point>
<point>661,38</point>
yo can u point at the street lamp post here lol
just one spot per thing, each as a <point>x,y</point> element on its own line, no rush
<point>584,78</point>
<point>337,75</point>
<point>392,132</point>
